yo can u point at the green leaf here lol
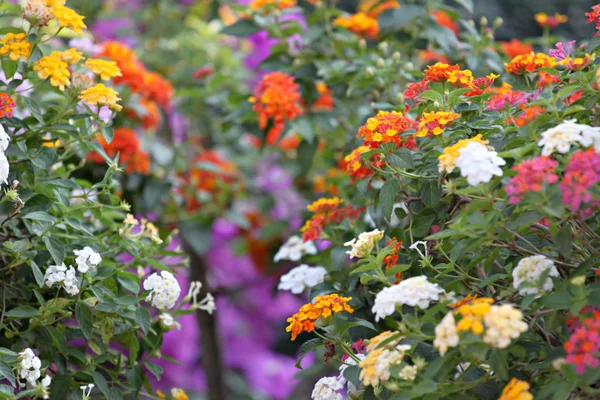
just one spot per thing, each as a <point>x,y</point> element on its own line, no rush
<point>401,158</point>
<point>40,216</point>
<point>397,268</point>
<point>155,369</point>
<point>563,241</point>
<point>387,197</point>
<point>37,274</point>
<point>306,348</point>
<point>9,67</point>
<point>7,373</point>
<point>60,387</point>
<point>433,96</point>
<point>431,192</point>
<point>395,19</point>
<point>56,249</point>
<point>498,364</point>
<point>108,134</point>
<point>101,383</point>
<point>85,319</point>
<point>468,4</point>
<point>241,28</point>
<point>142,316</point>
<point>129,281</point>
<point>34,108</point>
<point>592,44</point>
<point>22,312</point>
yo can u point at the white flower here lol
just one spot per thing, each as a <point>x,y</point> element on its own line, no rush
<point>57,274</point>
<point>46,381</point>
<point>168,322</point>
<point>529,271</point>
<point>164,290</point>
<point>70,282</point>
<point>302,277</point>
<point>4,168</point>
<point>41,390</point>
<point>376,366</point>
<point>415,246</point>
<point>503,323</point>
<point>327,389</point>
<point>408,373</point>
<point>87,390</point>
<point>362,246</point>
<point>86,259</point>
<point>415,292</point>
<point>446,335</point>
<point>478,163</point>
<point>4,140</point>
<point>29,367</point>
<point>294,249</point>
<point>562,136</point>
<point>349,362</point>
<point>207,304</point>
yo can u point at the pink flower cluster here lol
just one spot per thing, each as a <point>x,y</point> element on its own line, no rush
<point>563,50</point>
<point>581,174</point>
<point>583,347</point>
<point>511,98</point>
<point>531,175</point>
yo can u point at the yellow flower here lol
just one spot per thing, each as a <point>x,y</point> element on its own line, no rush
<point>68,18</point>
<point>54,3</point>
<point>516,390</point>
<point>103,68</point>
<point>447,161</point>
<point>280,4</point>
<point>472,315</point>
<point>380,358</point>
<point>324,203</point>
<point>102,96</point>
<point>15,45</point>
<point>178,394</point>
<point>70,56</point>
<point>55,68</point>
<point>435,122</point>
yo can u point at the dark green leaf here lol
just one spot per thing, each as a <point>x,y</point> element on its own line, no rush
<point>241,28</point>
<point>56,249</point>
<point>9,67</point>
<point>7,373</point>
<point>395,19</point>
<point>37,273</point>
<point>101,383</point>
<point>431,192</point>
<point>108,134</point>
<point>142,316</point>
<point>129,281</point>
<point>34,108</point>
<point>60,387</point>
<point>155,369</point>
<point>85,319</point>
<point>387,197</point>
<point>22,312</point>
<point>563,241</point>
<point>306,348</point>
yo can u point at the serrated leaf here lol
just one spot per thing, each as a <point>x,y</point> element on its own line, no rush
<point>155,369</point>
<point>85,319</point>
<point>35,109</point>
<point>306,348</point>
<point>129,281</point>
<point>431,192</point>
<point>563,241</point>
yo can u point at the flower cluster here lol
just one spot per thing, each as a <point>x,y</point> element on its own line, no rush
<point>594,16</point>
<point>279,4</point>
<point>516,390</point>
<point>164,290</point>
<point>126,143</point>
<point>531,62</point>
<point>327,211</point>
<point>414,91</point>
<point>415,292</point>
<point>355,165</point>
<point>504,97</point>
<point>7,105</point>
<point>380,358</point>
<point>276,98</point>
<point>363,246</point>
<point>531,175</point>
<point>439,72</point>
<point>359,23</point>
<point>16,46</point>
<point>56,67</point>
<point>322,306</point>
<point>87,259</point>
<point>374,8</point>
<point>325,101</point>
<point>447,160</point>
<point>581,175</point>
<point>59,274</point>
<point>583,347</point>
<point>502,324</point>
<point>294,249</point>
<point>515,47</point>
<point>29,366</point>
<point>105,69</point>
<point>387,127</point>
<point>478,163</point>
<point>302,277</point>
<point>37,13</point>
<point>327,389</point>
<point>433,123</point>
<point>529,271</point>
<point>550,21</point>
<point>528,114</point>
<point>68,18</point>
<point>100,95</point>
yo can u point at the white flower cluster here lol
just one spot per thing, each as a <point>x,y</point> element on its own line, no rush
<point>327,389</point>
<point>4,165</point>
<point>302,277</point>
<point>561,137</point>
<point>376,366</point>
<point>294,249</point>
<point>60,274</point>
<point>446,335</point>
<point>415,292</point>
<point>87,390</point>
<point>207,304</point>
<point>351,388</point>
<point>529,271</point>
<point>168,322</point>
<point>408,373</point>
<point>164,290</point>
<point>478,163</point>
<point>87,259</point>
<point>362,246</point>
<point>29,371</point>
<point>503,323</point>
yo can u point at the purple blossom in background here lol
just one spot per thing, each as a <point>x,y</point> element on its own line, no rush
<point>179,125</point>
<point>112,29</point>
<point>562,50</point>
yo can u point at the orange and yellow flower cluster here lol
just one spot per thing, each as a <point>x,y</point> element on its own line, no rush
<point>7,105</point>
<point>101,95</point>
<point>355,165</point>
<point>322,306</point>
<point>439,72</point>
<point>550,21</point>
<point>126,143</point>
<point>360,23</point>
<point>387,127</point>
<point>325,101</point>
<point>433,123</point>
<point>516,390</point>
<point>16,46</point>
<point>277,98</point>
<point>56,67</point>
<point>279,4</point>
<point>447,160</point>
<point>529,63</point>
<point>327,211</point>
<point>373,8</point>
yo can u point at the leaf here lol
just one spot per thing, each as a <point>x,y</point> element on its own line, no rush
<point>142,316</point>
<point>401,158</point>
<point>85,319</point>
<point>56,249</point>
<point>498,364</point>
<point>37,274</point>
<point>387,197</point>
<point>395,19</point>
<point>563,241</point>
<point>397,269</point>
<point>468,4</point>
<point>431,192</point>
<point>101,383</point>
<point>100,150</point>
<point>108,134</point>
<point>445,38</point>
<point>241,28</point>
<point>9,67</point>
<point>592,44</point>
<point>40,216</point>
<point>197,237</point>
<point>155,369</point>
<point>34,108</point>
<point>7,373</point>
<point>60,387</point>
<point>306,348</point>
<point>433,96</point>
<point>22,312</point>
<point>129,281</point>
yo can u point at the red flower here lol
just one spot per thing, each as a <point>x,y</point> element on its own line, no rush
<point>7,105</point>
<point>126,143</point>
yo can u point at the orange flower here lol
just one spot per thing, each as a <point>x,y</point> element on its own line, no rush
<point>387,127</point>
<point>428,57</point>
<point>516,390</point>
<point>276,97</point>
<point>359,23</point>
<point>529,63</point>
<point>463,301</point>
<point>516,48</point>
<point>375,7</point>
<point>550,21</point>
<point>460,78</point>
<point>576,64</point>
<point>151,118</point>
<point>481,85</point>
<point>279,4</point>
<point>7,105</point>
<point>156,88</point>
<point>439,72</point>
<point>435,122</point>
<point>126,143</point>
<point>322,306</point>
<point>355,165</point>
<point>529,114</point>
<point>327,211</point>
<point>444,19</point>
<point>546,79</point>
<point>472,314</point>
<point>327,183</point>
<point>325,101</point>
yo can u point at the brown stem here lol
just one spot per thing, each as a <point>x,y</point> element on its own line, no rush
<point>209,335</point>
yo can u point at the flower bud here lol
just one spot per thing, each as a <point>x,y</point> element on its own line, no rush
<point>37,13</point>
<point>558,363</point>
<point>483,21</point>
<point>396,56</point>
<point>436,104</point>
<point>362,44</point>
<point>578,280</point>
<point>471,23</point>
<point>380,63</point>
<point>409,66</point>
<point>498,22</point>
<point>400,96</point>
<point>15,184</point>
<point>11,195</point>
<point>489,35</point>
<point>297,63</point>
<point>383,47</point>
<point>370,71</point>
<point>81,81</point>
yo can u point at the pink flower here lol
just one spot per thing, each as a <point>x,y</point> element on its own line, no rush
<point>582,173</point>
<point>532,174</point>
<point>583,347</point>
<point>511,98</point>
<point>562,51</point>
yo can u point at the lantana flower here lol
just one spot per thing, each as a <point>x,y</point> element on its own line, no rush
<point>301,278</point>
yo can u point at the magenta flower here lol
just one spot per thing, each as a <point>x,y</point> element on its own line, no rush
<point>500,101</point>
<point>562,50</point>
<point>581,174</point>
<point>531,176</point>
<point>583,347</point>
